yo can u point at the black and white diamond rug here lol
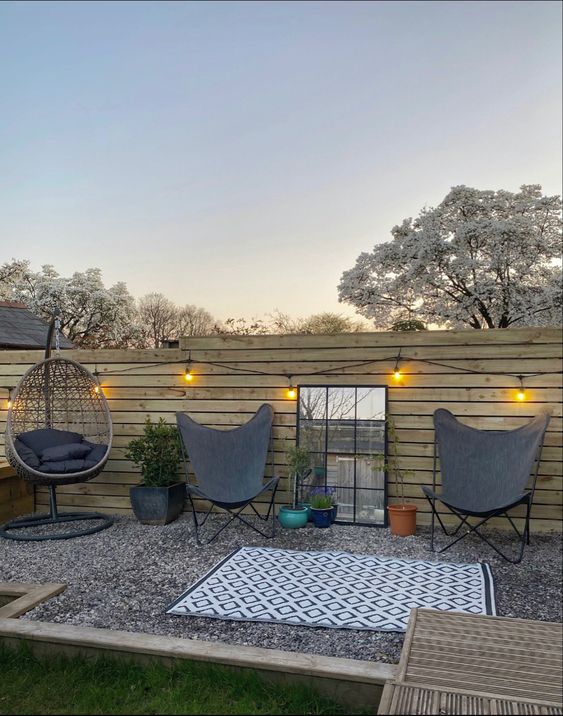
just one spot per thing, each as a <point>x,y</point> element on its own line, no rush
<point>334,589</point>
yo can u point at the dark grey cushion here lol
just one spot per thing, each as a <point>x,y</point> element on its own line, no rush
<point>26,454</point>
<point>63,467</point>
<point>39,440</point>
<point>60,453</point>
<point>97,452</point>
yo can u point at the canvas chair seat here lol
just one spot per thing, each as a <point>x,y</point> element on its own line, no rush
<point>229,467</point>
<point>485,473</point>
<point>197,492</point>
<point>476,508</point>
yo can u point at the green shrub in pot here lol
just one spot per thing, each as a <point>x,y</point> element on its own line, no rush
<point>159,498</point>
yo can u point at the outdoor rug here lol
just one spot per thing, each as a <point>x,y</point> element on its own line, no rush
<point>334,589</point>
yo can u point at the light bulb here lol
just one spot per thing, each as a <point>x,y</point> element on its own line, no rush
<point>188,375</point>
<point>9,403</point>
<point>397,375</point>
<point>291,392</point>
<point>521,394</point>
<point>96,389</point>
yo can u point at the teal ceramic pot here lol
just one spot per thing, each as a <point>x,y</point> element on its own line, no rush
<point>309,515</point>
<point>333,513</point>
<point>292,519</point>
<point>322,518</point>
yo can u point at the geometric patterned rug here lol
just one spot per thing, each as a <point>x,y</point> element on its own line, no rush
<point>334,589</point>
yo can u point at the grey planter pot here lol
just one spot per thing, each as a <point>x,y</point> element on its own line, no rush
<point>157,505</point>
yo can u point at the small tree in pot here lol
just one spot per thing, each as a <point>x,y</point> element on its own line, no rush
<point>159,498</point>
<point>298,461</point>
<point>402,516</point>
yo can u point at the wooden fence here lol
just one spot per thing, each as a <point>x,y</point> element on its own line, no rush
<point>472,373</point>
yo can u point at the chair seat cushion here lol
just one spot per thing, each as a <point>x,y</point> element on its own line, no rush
<point>63,458</point>
<point>43,438</point>
<point>64,467</point>
<point>26,454</point>
<point>60,453</point>
<point>97,451</point>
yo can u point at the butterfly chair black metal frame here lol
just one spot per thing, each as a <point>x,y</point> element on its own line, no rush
<point>57,394</point>
<point>484,475</point>
<point>229,467</point>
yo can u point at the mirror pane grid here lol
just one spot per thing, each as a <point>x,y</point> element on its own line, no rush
<point>344,429</point>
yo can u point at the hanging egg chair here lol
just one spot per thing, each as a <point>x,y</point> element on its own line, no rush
<point>58,432</point>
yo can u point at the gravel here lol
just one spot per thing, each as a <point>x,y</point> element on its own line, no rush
<point>125,577</point>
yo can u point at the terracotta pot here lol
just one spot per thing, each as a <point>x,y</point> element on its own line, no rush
<point>402,519</point>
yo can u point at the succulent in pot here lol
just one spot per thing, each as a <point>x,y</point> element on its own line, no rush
<point>159,498</point>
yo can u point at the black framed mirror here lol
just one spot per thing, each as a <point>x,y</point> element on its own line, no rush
<point>344,429</point>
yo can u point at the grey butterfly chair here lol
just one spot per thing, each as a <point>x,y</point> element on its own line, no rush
<point>229,467</point>
<point>485,474</point>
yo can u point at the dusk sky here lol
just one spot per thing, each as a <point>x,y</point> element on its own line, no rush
<point>240,155</point>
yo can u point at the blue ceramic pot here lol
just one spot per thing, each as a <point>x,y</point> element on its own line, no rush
<point>292,519</point>
<point>322,518</point>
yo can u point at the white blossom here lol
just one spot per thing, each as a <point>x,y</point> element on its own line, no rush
<point>92,316</point>
<point>487,259</point>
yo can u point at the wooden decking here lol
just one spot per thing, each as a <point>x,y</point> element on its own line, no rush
<point>455,663</point>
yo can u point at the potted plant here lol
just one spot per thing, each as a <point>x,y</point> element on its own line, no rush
<point>159,498</point>
<point>402,516</point>
<point>296,514</point>
<point>322,502</point>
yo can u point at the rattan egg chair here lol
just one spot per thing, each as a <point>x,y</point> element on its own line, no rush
<point>58,432</point>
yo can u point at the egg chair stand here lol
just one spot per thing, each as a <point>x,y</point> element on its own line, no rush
<point>58,431</point>
<point>54,518</point>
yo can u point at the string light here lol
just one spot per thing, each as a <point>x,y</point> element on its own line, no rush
<point>9,402</point>
<point>457,370</point>
<point>188,375</point>
<point>97,387</point>
<point>396,371</point>
<point>521,395</point>
<point>292,390</point>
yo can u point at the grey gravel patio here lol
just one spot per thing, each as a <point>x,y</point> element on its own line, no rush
<point>125,577</point>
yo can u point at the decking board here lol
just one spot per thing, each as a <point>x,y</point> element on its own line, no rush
<point>472,664</point>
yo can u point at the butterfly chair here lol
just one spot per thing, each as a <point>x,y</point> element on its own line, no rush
<point>485,474</point>
<point>229,468</point>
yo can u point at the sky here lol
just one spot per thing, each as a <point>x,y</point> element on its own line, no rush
<point>239,156</point>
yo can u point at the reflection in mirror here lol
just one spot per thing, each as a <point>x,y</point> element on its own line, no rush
<point>341,404</point>
<point>312,435</point>
<point>344,429</point>
<point>312,403</point>
<point>370,404</point>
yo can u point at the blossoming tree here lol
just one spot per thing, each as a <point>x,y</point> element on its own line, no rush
<point>92,316</point>
<point>485,259</point>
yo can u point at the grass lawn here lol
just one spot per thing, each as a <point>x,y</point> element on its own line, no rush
<point>60,685</point>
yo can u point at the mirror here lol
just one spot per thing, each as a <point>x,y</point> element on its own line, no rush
<point>343,427</point>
